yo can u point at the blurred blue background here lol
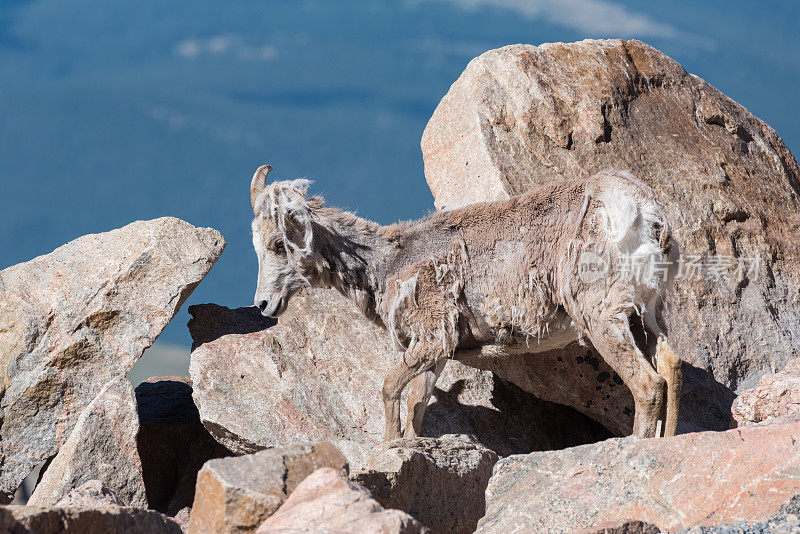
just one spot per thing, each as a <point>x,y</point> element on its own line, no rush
<point>115,111</point>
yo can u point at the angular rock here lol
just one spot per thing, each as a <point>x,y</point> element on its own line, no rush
<point>73,320</point>
<point>317,375</point>
<point>775,399</point>
<point>173,444</point>
<point>101,446</point>
<point>52,520</point>
<point>522,116</point>
<point>235,495</point>
<point>91,494</point>
<point>704,478</point>
<point>440,482</point>
<point>327,502</point>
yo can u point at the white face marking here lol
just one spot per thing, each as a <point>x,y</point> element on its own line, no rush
<point>269,292</point>
<point>257,242</point>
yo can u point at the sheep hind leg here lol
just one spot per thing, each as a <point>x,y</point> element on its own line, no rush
<point>393,386</point>
<point>668,365</point>
<point>419,394</point>
<point>612,338</point>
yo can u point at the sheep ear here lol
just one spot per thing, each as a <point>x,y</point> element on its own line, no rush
<point>258,184</point>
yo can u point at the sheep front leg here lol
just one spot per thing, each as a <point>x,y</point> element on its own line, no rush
<point>393,385</point>
<point>419,394</point>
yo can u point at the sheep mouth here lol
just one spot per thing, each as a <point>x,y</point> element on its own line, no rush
<point>279,308</point>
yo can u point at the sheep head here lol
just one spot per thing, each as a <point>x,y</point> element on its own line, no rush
<point>283,238</point>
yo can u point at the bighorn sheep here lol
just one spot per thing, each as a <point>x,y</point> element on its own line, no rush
<point>496,277</point>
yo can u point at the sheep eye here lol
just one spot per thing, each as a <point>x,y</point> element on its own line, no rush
<point>279,247</point>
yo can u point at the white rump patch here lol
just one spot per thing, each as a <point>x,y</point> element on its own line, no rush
<point>632,226</point>
<point>621,213</point>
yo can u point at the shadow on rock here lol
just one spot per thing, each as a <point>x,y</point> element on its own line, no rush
<point>705,403</point>
<point>511,422</point>
<point>226,321</point>
<point>173,444</point>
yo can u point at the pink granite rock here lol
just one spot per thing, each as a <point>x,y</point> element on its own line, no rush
<point>705,478</point>
<point>775,398</point>
<point>234,495</point>
<point>327,501</point>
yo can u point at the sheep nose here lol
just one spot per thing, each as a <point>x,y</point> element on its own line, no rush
<point>262,305</point>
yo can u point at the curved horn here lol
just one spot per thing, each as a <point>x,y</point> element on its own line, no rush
<point>259,183</point>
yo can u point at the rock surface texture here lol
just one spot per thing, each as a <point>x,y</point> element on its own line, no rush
<point>522,116</point>
<point>234,495</point>
<point>101,446</point>
<point>75,319</point>
<point>775,398</point>
<point>173,444</point>
<point>97,520</point>
<point>88,495</point>
<point>327,501</point>
<point>317,375</point>
<point>440,482</point>
<point>705,478</point>
<point>182,518</point>
<point>785,521</point>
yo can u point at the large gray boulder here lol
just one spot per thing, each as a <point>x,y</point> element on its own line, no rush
<point>522,116</point>
<point>74,320</point>
<point>317,375</point>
